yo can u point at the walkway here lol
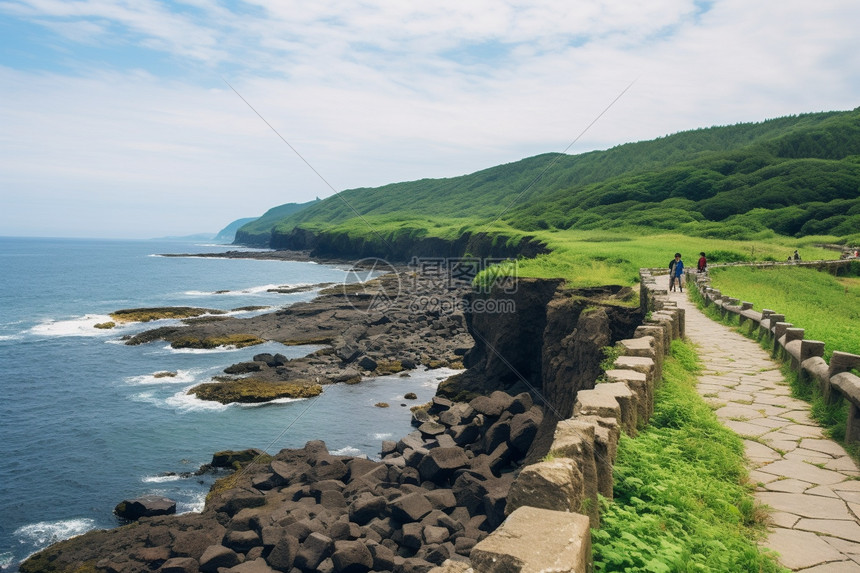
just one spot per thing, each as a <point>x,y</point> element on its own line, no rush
<point>811,484</point>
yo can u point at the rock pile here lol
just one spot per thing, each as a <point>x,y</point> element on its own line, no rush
<point>433,496</point>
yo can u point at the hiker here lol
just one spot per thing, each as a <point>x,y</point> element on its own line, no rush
<point>703,263</point>
<point>676,273</point>
<point>672,274</point>
<point>796,255</point>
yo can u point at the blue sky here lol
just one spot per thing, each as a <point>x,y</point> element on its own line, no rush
<point>115,119</point>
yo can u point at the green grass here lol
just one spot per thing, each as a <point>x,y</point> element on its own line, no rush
<point>826,307</point>
<point>682,502</point>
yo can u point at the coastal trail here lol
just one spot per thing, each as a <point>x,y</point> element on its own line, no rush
<point>809,481</point>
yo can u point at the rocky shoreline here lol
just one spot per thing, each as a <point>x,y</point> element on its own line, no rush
<point>432,497</point>
<point>389,324</point>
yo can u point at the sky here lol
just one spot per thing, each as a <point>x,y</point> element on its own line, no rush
<point>140,119</point>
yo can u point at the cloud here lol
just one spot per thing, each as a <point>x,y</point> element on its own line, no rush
<point>383,92</point>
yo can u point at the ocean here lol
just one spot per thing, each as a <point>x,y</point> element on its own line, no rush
<point>84,423</point>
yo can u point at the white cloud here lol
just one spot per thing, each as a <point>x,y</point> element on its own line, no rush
<point>384,91</point>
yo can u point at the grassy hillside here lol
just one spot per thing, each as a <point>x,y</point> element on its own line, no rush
<point>258,231</point>
<point>775,185</point>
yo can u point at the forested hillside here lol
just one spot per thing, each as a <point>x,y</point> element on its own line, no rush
<point>793,176</point>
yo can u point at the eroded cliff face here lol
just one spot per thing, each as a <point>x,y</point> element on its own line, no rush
<point>549,343</point>
<point>333,244</point>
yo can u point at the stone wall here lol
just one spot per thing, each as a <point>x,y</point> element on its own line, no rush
<point>553,503</point>
<point>789,344</point>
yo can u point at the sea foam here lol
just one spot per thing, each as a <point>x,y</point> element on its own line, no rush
<point>81,326</point>
<point>47,532</point>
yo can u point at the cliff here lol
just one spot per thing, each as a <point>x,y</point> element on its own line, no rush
<point>334,244</point>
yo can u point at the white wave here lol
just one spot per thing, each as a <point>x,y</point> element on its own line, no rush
<point>382,436</point>
<point>6,559</point>
<point>259,289</point>
<point>5,337</point>
<point>81,326</point>
<point>202,350</point>
<point>270,402</point>
<point>195,504</point>
<point>46,532</point>
<point>182,377</point>
<point>160,479</point>
<point>184,402</point>
<point>347,451</point>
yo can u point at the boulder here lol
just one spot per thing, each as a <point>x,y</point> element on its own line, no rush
<point>145,506</point>
<point>410,507</point>
<point>492,405</point>
<point>351,557</point>
<point>228,458</point>
<point>524,428</point>
<point>383,557</point>
<point>283,554</point>
<point>440,464</point>
<point>179,565</point>
<point>313,551</point>
<point>258,565</point>
<point>217,556</point>
<point>366,507</point>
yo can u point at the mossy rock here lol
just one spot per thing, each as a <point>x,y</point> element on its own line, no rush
<point>235,340</point>
<point>158,313</point>
<point>382,405</point>
<point>105,325</point>
<point>410,396</point>
<point>384,367</point>
<point>254,390</point>
<point>164,374</point>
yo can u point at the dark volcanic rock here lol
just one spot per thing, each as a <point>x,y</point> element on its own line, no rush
<point>145,506</point>
<point>216,556</point>
<point>410,507</point>
<point>351,557</point>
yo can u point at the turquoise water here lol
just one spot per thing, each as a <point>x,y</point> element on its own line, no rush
<point>85,424</point>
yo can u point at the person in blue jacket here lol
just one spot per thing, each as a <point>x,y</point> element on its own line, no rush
<point>676,272</point>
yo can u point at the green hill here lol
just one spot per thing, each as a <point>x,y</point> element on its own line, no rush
<point>789,177</point>
<point>258,231</point>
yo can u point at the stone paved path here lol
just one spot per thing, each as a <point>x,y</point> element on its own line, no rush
<point>809,481</point>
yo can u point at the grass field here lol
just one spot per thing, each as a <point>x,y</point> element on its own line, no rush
<point>826,307</point>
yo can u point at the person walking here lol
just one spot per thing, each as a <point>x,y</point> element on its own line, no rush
<point>672,274</point>
<point>678,272</point>
<point>703,263</point>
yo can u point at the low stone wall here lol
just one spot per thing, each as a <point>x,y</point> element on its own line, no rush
<point>788,343</point>
<point>552,504</point>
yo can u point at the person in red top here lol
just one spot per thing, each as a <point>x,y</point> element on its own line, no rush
<point>703,263</point>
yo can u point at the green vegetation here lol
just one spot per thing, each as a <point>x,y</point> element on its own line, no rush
<point>753,191</point>
<point>252,390</point>
<point>825,306</point>
<point>257,232</point>
<point>234,340</point>
<point>681,502</point>
<point>159,313</point>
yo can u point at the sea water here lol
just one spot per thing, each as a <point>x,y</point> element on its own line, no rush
<point>84,421</point>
